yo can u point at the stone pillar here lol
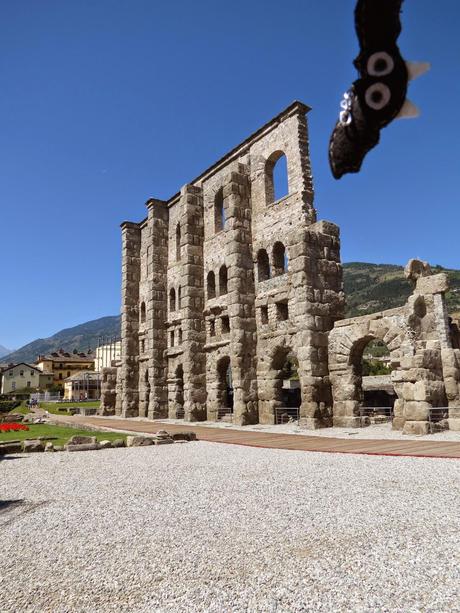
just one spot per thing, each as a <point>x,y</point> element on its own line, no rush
<point>157,308</point>
<point>451,373</point>
<point>192,303</point>
<point>420,386</point>
<point>129,370</point>
<point>108,391</point>
<point>319,302</point>
<point>241,297</point>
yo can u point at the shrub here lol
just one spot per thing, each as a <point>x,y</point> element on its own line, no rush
<point>8,405</point>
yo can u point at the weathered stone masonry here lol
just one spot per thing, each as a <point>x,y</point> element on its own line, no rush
<point>222,278</point>
<point>224,281</point>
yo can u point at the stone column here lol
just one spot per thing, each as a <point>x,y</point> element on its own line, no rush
<point>192,303</point>
<point>241,297</point>
<point>157,308</point>
<point>319,302</point>
<point>108,391</point>
<point>129,370</point>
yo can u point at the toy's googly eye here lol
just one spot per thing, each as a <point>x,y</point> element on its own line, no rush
<point>377,96</point>
<point>380,64</point>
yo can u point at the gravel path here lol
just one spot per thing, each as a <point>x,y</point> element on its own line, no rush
<point>209,527</point>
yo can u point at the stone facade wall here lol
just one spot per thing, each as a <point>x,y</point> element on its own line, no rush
<point>193,305</point>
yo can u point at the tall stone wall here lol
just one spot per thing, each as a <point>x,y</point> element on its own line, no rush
<point>195,312</point>
<point>129,369</point>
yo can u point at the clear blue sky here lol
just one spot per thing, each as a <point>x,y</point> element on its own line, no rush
<point>107,102</point>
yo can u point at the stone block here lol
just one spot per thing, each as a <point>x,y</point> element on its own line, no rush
<point>32,446</point>
<point>398,423</point>
<point>350,422</point>
<point>416,411</point>
<point>118,442</point>
<point>454,424</point>
<point>418,428</point>
<point>10,447</point>
<point>82,447</point>
<point>184,436</point>
<point>434,284</point>
<point>105,444</point>
<point>49,447</point>
<point>81,440</point>
<point>138,441</point>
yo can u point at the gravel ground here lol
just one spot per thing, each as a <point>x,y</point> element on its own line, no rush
<point>380,431</point>
<point>222,528</point>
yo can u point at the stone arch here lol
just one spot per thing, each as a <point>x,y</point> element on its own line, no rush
<point>347,342</point>
<point>178,241</point>
<point>219,211</point>
<point>224,387</point>
<point>263,266</point>
<point>223,280</point>
<point>145,394</point>
<point>172,299</point>
<point>276,177</point>
<point>211,285</point>
<point>279,259</point>
<point>272,374</point>
<point>179,392</point>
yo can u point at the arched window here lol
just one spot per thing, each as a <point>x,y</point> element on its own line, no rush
<point>172,299</point>
<point>279,259</point>
<point>263,266</point>
<point>276,177</point>
<point>178,242</point>
<point>223,289</point>
<point>142,312</point>
<point>211,285</point>
<point>219,211</point>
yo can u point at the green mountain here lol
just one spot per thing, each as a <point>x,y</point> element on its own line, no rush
<point>81,337</point>
<point>375,287</point>
<point>368,287</point>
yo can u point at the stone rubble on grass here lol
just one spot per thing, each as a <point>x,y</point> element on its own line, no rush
<point>49,446</point>
<point>105,444</point>
<point>138,441</point>
<point>32,446</point>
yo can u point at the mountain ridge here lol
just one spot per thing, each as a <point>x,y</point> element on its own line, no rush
<point>369,288</point>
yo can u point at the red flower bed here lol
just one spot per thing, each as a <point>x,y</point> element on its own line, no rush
<point>14,427</point>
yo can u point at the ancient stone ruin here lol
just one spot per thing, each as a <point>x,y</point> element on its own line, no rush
<point>232,305</point>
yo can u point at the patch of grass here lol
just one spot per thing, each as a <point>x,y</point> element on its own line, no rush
<point>61,432</point>
<point>53,407</point>
<point>23,410</point>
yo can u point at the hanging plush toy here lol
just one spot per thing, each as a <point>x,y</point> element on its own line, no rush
<point>379,95</point>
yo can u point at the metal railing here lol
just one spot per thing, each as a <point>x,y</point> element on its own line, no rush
<point>436,414</point>
<point>381,412</point>
<point>223,412</point>
<point>287,415</point>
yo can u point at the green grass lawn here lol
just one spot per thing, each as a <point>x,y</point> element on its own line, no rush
<point>61,432</point>
<point>53,407</point>
<point>22,409</point>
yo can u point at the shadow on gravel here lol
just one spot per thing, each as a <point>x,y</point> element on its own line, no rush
<point>6,504</point>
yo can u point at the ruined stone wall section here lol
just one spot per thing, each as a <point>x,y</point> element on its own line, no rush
<point>129,370</point>
<point>290,138</point>
<point>154,382</point>
<point>108,391</point>
<point>243,330</point>
<point>192,298</point>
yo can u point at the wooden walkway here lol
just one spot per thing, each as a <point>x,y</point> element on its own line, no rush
<point>271,440</point>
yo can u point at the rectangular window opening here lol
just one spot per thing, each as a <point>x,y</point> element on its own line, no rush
<point>282,311</point>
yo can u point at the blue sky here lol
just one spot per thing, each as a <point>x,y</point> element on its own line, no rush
<point>106,103</point>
